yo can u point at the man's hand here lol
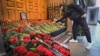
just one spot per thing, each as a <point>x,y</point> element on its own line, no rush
<point>83,16</point>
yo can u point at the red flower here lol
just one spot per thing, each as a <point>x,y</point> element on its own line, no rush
<point>32,34</point>
<point>26,37</point>
<point>47,35</point>
<point>45,38</point>
<point>64,54</point>
<point>20,50</point>
<point>47,52</point>
<point>56,46</point>
<point>17,29</point>
<point>34,41</point>
<point>13,39</point>
<point>67,52</point>
<point>44,50</point>
<point>40,48</point>
<point>48,41</point>
<point>20,29</point>
<point>26,41</point>
<point>4,29</point>
<point>30,53</point>
<point>39,36</point>
<point>62,51</point>
<point>22,25</point>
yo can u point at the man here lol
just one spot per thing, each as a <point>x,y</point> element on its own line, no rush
<point>77,14</point>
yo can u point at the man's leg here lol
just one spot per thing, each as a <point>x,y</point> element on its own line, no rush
<point>86,31</point>
<point>74,31</point>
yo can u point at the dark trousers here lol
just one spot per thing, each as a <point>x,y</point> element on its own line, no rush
<point>82,22</point>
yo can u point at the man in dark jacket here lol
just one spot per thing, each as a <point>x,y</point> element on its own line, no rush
<point>78,19</point>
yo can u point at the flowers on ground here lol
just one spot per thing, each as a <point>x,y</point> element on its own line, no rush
<point>24,41</point>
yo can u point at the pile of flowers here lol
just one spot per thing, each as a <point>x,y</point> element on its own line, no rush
<point>21,40</point>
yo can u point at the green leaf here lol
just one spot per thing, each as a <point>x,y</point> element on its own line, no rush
<point>33,49</point>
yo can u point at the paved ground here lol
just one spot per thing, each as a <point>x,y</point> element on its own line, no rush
<point>78,49</point>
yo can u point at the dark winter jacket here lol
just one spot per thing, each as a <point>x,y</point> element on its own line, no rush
<point>69,11</point>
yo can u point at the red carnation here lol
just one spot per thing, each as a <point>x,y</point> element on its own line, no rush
<point>34,41</point>
<point>13,39</point>
<point>20,50</point>
<point>20,29</point>
<point>48,52</point>
<point>32,34</point>
<point>64,54</point>
<point>30,53</point>
<point>47,35</point>
<point>56,46</point>
<point>39,36</point>
<point>48,41</point>
<point>4,29</point>
<point>45,38</point>
<point>17,29</point>
<point>40,48</point>
<point>44,50</point>
<point>62,51</point>
<point>67,52</point>
<point>26,37</point>
<point>26,41</point>
<point>22,25</point>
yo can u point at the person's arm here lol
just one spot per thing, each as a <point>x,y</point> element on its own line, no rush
<point>66,14</point>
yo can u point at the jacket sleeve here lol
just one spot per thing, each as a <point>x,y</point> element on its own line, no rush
<point>65,15</point>
<point>77,8</point>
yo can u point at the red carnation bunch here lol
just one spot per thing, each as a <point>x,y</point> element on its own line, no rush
<point>26,39</point>
<point>34,41</point>
<point>13,39</point>
<point>4,29</point>
<point>20,50</point>
<point>30,53</point>
<point>32,34</point>
<point>65,52</point>
<point>22,25</point>
<point>44,50</point>
<point>48,41</point>
<point>39,36</point>
<point>40,48</point>
<point>43,36</point>
<point>20,28</point>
